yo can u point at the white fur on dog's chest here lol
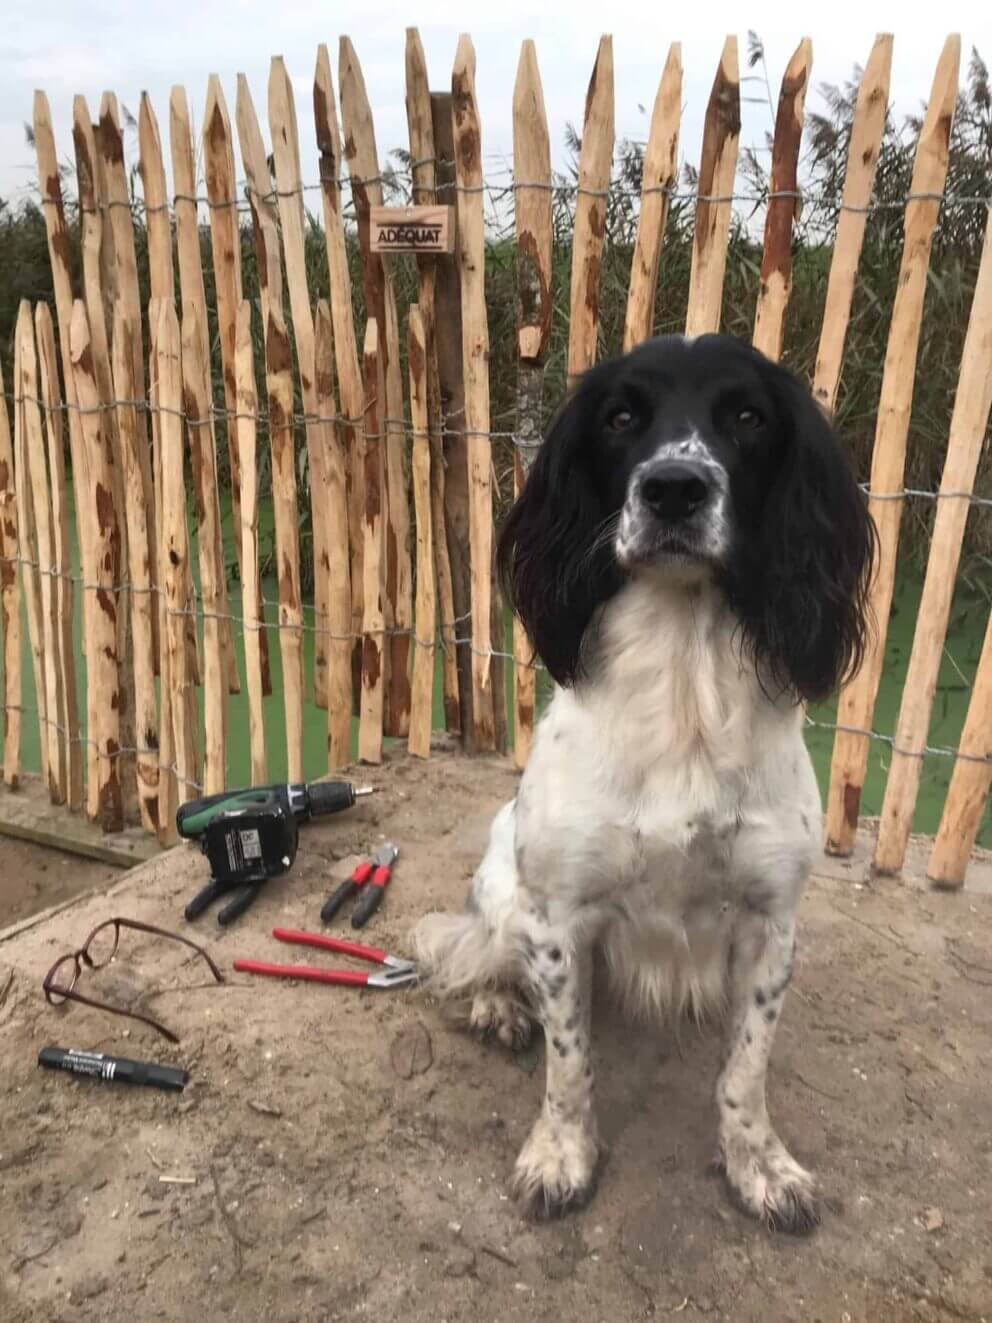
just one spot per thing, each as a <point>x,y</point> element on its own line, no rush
<point>667,797</point>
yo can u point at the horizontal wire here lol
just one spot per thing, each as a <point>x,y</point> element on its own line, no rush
<point>394,426</point>
<point>498,191</point>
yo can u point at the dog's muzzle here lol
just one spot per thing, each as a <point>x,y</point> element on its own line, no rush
<point>676,510</point>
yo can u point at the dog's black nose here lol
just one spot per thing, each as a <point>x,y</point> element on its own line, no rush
<point>675,488</point>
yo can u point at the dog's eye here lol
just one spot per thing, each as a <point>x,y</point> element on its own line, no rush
<point>620,420</point>
<point>749,420</point>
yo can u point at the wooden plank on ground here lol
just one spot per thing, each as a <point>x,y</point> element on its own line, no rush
<point>289,188</point>
<point>783,205</point>
<point>661,168</point>
<point>31,816</point>
<point>102,671</point>
<point>422,698</point>
<point>475,367</point>
<point>10,603</point>
<point>25,416</point>
<point>40,498</point>
<point>213,587</point>
<point>339,694</point>
<point>717,170</point>
<point>969,422</point>
<point>279,382</point>
<point>144,604</point>
<point>380,300</point>
<point>531,165</point>
<point>62,563</point>
<point>862,158</point>
<point>970,782</point>
<point>373,623</point>
<point>175,548</point>
<point>424,174</point>
<point>349,370</point>
<point>246,405</point>
<point>856,705</point>
<point>595,163</point>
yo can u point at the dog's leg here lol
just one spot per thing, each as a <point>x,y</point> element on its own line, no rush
<point>557,1165</point>
<point>762,1174</point>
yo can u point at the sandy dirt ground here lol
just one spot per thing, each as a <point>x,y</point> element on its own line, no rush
<point>346,1154</point>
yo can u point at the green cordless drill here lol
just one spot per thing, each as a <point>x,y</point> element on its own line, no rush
<point>251,835</point>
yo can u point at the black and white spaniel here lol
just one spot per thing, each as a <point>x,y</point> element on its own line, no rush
<point>690,556</point>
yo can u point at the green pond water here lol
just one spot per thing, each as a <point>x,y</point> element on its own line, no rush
<point>968,621</point>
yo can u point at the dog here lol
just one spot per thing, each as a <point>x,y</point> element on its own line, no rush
<point>690,556</point>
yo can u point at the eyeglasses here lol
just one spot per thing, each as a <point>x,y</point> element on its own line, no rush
<point>96,952</point>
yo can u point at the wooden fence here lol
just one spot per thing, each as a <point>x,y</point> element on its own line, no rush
<point>401,481</point>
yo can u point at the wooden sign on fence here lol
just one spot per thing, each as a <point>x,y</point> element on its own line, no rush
<point>411,230</point>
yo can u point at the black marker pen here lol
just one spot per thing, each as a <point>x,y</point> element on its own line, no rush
<point>116,1069</point>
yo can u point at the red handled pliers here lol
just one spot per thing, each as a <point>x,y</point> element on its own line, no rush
<point>371,877</point>
<point>396,972</point>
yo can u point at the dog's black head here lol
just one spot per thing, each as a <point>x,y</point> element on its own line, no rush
<point>696,459</point>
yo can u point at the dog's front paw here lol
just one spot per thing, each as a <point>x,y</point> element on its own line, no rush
<point>767,1182</point>
<point>556,1169</point>
<point>501,1014</point>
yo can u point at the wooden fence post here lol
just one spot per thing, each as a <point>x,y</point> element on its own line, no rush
<point>373,622</point>
<point>279,382</point>
<point>475,367</point>
<point>595,163</point>
<point>168,788</point>
<point>339,695</point>
<point>192,290</point>
<point>175,548</point>
<point>246,406</point>
<point>144,605</point>
<point>453,524</point>
<point>380,301</point>
<point>102,670</point>
<point>424,187</point>
<point>421,706</point>
<point>225,243</point>
<point>531,165</point>
<point>40,498</point>
<point>26,417</point>
<point>58,255</point>
<point>62,563</point>
<point>862,158</point>
<point>856,706</point>
<point>345,344</point>
<point>10,603</point>
<point>289,185</point>
<point>970,782</point>
<point>783,205</point>
<point>967,435</point>
<point>213,588</point>
<point>661,166</point>
<point>162,283</point>
<point>714,205</point>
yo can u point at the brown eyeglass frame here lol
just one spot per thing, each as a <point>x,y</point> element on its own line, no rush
<point>83,958</point>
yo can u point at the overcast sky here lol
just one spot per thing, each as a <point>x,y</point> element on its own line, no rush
<point>66,48</point>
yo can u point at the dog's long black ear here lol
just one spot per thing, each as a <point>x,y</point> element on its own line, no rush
<point>804,598</point>
<point>555,553</point>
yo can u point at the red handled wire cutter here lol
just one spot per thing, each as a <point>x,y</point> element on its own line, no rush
<point>370,877</point>
<point>396,972</point>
